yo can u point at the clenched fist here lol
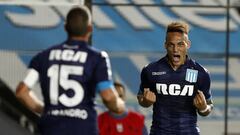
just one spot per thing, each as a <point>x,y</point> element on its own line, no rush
<point>200,101</point>
<point>147,99</point>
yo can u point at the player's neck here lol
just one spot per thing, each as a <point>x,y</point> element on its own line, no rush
<point>84,38</point>
<point>119,114</point>
<point>175,67</point>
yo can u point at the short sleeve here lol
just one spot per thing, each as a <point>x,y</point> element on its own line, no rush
<point>35,63</point>
<point>33,72</point>
<point>144,81</point>
<point>204,85</point>
<point>103,72</point>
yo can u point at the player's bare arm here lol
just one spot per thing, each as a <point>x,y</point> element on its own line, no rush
<point>204,107</point>
<point>23,94</point>
<point>112,101</point>
<point>147,98</point>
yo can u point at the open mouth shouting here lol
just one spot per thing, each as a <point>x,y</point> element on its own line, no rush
<point>176,59</point>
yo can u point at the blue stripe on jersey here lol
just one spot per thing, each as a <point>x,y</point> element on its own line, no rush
<point>104,85</point>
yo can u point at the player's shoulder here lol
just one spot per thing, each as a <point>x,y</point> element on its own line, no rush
<point>156,64</point>
<point>136,114</point>
<point>198,66</point>
<point>103,115</point>
<point>47,50</point>
<point>96,53</point>
<point>89,49</point>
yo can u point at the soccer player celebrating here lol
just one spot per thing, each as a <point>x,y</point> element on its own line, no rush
<point>177,86</point>
<point>70,75</point>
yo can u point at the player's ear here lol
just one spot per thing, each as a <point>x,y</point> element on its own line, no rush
<point>66,27</point>
<point>90,28</point>
<point>165,45</point>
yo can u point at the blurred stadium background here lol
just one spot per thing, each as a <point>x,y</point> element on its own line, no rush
<point>132,32</point>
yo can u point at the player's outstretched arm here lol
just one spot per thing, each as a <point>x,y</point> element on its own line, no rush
<point>112,101</point>
<point>147,98</point>
<point>23,94</point>
<point>204,107</point>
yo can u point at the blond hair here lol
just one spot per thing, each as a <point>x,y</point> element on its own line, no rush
<point>178,27</point>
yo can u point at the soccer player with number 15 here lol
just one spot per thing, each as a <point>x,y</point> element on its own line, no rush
<point>70,75</point>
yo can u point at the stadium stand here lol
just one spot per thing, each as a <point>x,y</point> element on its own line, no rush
<point>131,44</point>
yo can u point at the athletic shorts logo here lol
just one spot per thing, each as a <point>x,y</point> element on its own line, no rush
<point>191,75</point>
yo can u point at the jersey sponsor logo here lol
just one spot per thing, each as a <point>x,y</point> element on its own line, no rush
<point>191,75</point>
<point>68,55</point>
<point>159,73</point>
<point>174,89</point>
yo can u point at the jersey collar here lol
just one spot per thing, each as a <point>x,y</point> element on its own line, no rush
<point>119,116</point>
<point>75,42</point>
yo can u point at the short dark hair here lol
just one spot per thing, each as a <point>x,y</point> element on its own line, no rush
<point>77,22</point>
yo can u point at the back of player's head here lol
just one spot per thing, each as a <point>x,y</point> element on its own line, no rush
<point>77,21</point>
<point>181,27</point>
<point>120,90</point>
